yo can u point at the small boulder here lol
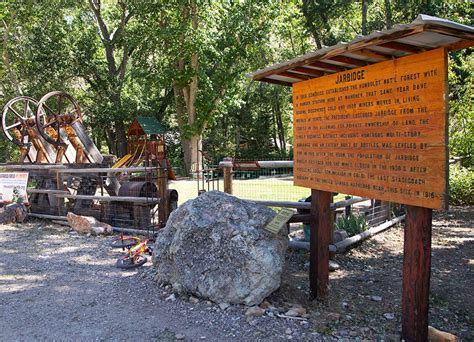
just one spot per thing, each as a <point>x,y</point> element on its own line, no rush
<point>88,225</point>
<point>215,246</point>
<point>296,311</point>
<point>13,213</point>
<point>339,235</point>
<point>435,335</point>
<point>256,311</point>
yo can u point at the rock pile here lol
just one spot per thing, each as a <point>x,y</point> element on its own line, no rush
<point>215,247</point>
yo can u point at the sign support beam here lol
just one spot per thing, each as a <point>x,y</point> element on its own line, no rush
<point>321,229</point>
<point>416,274</point>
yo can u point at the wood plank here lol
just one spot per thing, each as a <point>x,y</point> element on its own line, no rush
<point>309,71</point>
<point>279,82</point>
<point>450,32</point>
<point>321,228</point>
<point>402,47</point>
<point>295,75</point>
<point>328,66</point>
<point>132,199</point>
<point>416,274</point>
<point>349,60</point>
<point>107,169</point>
<point>373,54</point>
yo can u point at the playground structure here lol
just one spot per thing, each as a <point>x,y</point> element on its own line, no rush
<point>67,172</point>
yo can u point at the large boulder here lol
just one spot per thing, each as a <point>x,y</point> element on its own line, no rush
<point>215,247</point>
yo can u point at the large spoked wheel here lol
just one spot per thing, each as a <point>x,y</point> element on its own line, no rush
<point>55,110</point>
<point>123,243</point>
<point>128,261</point>
<point>19,114</point>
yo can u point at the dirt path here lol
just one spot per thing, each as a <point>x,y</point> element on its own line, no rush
<point>57,285</point>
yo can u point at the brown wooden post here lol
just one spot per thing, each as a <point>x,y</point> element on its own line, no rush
<point>163,206</point>
<point>321,228</point>
<point>228,179</point>
<point>416,274</point>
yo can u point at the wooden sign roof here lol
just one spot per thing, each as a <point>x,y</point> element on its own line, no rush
<point>423,34</point>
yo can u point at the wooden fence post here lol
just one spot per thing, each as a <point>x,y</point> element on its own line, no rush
<point>163,206</point>
<point>321,229</point>
<point>228,179</point>
<point>416,274</point>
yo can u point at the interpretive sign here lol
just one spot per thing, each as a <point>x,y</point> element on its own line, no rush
<point>378,131</point>
<point>279,220</point>
<point>13,187</point>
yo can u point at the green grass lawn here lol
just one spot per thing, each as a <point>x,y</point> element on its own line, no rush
<point>274,189</point>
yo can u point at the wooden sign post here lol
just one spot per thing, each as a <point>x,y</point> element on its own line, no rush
<point>378,131</point>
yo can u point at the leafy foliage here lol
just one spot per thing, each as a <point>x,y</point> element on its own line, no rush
<point>353,224</point>
<point>51,45</point>
<point>461,185</point>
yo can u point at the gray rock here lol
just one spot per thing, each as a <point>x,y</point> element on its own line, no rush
<point>215,247</point>
<point>224,306</point>
<point>13,213</point>
<point>255,311</point>
<point>333,266</point>
<point>339,235</point>
<point>376,298</point>
<point>389,315</point>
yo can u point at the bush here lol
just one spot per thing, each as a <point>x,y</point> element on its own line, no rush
<point>353,224</point>
<point>461,185</point>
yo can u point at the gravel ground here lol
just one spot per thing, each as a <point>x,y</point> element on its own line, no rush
<point>56,285</point>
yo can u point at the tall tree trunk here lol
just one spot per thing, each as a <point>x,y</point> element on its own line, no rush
<point>279,122</point>
<point>310,24</point>
<point>388,14</point>
<point>116,71</point>
<point>6,59</point>
<point>185,99</point>
<point>364,17</point>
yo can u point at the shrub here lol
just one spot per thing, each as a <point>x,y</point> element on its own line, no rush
<point>353,224</point>
<point>461,185</point>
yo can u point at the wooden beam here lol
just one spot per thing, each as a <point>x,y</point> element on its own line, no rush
<point>416,274</point>
<point>279,82</point>
<point>295,76</point>
<point>328,66</point>
<point>373,54</point>
<point>349,60</point>
<point>308,71</point>
<point>321,228</point>
<point>132,199</point>
<point>450,32</point>
<point>462,44</point>
<point>402,47</point>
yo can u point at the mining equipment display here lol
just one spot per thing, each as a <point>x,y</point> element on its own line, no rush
<point>58,154</point>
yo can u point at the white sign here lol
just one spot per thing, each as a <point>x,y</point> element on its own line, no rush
<point>13,187</point>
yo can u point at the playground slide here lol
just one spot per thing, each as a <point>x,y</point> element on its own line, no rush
<point>122,161</point>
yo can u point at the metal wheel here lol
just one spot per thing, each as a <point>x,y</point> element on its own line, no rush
<point>55,110</point>
<point>19,114</point>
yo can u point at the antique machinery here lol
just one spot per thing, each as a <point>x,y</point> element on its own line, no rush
<point>50,135</point>
<point>19,127</point>
<point>59,121</point>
